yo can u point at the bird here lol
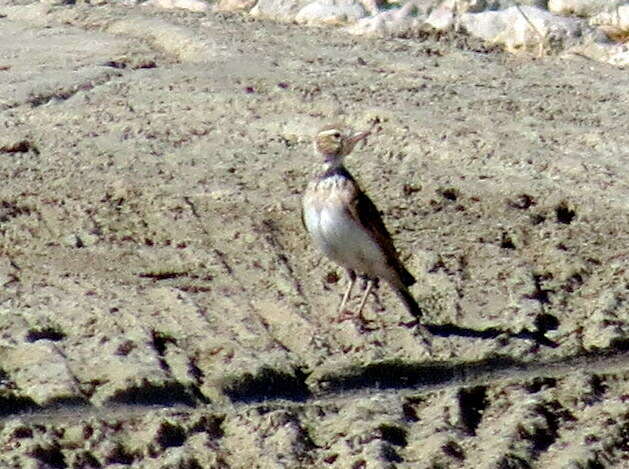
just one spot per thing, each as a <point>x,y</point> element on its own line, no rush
<point>345,224</point>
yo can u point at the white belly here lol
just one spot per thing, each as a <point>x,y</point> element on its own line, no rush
<point>343,239</point>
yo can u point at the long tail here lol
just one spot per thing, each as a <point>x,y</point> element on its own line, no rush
<point>416,311</point>
<point>405,276</point>
<point>409,302</point>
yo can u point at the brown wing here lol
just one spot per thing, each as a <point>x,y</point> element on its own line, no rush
<point>364,210</point>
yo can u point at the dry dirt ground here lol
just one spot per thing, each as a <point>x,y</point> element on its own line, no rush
<point>162,307</point>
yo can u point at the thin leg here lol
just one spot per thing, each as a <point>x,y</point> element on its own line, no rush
<point>348,292</point>
<point>364,300</point>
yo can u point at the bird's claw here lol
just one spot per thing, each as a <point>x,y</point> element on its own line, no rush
<point>344,315</point>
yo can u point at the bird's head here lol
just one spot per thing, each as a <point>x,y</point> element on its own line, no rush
<point>334,143</point>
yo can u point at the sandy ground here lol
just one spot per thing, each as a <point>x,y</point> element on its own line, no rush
<point>163,307</point>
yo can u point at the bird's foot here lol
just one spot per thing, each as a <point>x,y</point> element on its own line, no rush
<point>367,324</point>
<point>364,323</point>
<point>344,315</point>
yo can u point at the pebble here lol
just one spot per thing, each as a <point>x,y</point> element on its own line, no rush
<point>192,5</point>
<point>619,56</point>
<point>503,4</point>
<point>391,22</point>
<point>234,5</point>
<point>55,2</point>
<point>281,10</point>
<point>331,12</point>
<point>442,17</point>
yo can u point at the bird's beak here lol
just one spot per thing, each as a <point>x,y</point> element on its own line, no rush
<point>354,139</point>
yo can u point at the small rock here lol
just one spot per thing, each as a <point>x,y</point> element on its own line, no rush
<point>620,56</point>
<point>191,5</point>
<point>56,2</point>
<point>391,22</point>
<point>281,10</point>
<point>614,24</point>
<point>504,4</point>
<point>613,54</point>
<point>520,28</point>
<point>441,18</point>
<point>444,16</point>
<point>331,12</point>
<point>234,5</point>
<point>582,8</point>
<point>173,39</point>
<point>372,6</point>
<point>467,6</point>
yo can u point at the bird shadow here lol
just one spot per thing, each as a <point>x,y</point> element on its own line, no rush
<point>543,323</point>
<point>538,336</point>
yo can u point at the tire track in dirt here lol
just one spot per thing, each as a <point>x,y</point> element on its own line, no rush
<point>387,378</point>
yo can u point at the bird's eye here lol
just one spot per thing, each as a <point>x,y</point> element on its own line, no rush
<point>337,135</point>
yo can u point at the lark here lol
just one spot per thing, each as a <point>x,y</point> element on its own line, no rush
<point>345,224</point>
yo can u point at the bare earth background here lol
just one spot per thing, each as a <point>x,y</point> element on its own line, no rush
<point>162,306</point>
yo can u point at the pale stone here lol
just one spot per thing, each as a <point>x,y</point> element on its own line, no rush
<point>278,9</point>
<point>56,2</point>
<point>391,22</point>
<point>174,39</point>
<point>617,18</point>
<point>619,56</point>
<point>372,6</point>
<point>192,5</point>
<point>613,24</point>
<point>504,4</point>
<point>331,12</point>
<point>461,6</point>
<point>234,5</point>
<point>581,7</point>
<point>442,18</point>
<point>613,54</point>
<point>467,6</point>
<point>519,28</point>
